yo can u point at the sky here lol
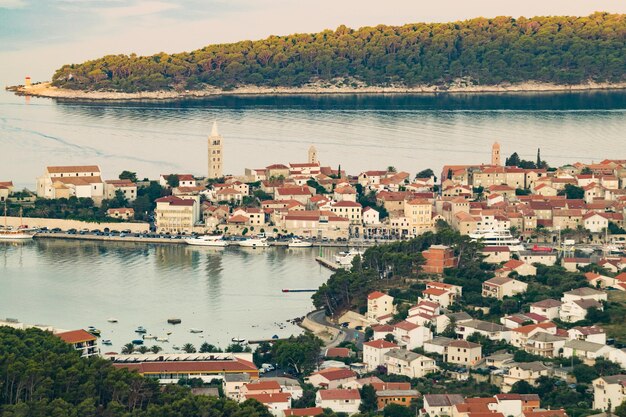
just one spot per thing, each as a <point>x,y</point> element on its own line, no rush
<point>39,36</point>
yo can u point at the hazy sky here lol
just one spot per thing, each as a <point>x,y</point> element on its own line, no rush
<point>38,36</point>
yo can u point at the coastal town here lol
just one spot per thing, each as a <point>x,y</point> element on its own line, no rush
<point>535,331</point>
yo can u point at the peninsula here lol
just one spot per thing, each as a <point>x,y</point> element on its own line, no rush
<point>502,54</point>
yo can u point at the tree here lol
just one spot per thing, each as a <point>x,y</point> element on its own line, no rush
<point>237,348</point>
<point>300,353</point>
<point>397,410</point>
<point>188,348</point>
<point>426,173</point>
<point>128,348</point>
<point>391,168</point>
<point>573,192</point>
<point>620,410</point>
<point>156,349</point>
<point>143,349</point>
<point>522,387</point>
<point>128,175</point>
<point>369,401</point>
<point>390,338</point>
<point>172,180</point>
<point>539,164</point>
<point>584,373</point>
<point>208,348</point>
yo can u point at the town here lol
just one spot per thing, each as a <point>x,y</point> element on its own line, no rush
<point>503,294</point>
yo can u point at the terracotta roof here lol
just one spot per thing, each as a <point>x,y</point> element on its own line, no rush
<point>405,325</point>
<point>334,374</point>
<point>76,336</point>
<point>380,344</point>
<point>175,201</point>
<point>463,344</point>
<point>262,385</point>
<point>339,394</point>
<point>374,295</point>
<point>434,291</point>
<point>280,397</point>
<point>346,203</point>
<point>73,168</point>
<point>217,366</point>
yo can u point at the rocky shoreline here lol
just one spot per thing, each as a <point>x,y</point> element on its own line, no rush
<point>47,90</point>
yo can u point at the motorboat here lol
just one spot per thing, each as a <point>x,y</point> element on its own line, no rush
<point>137,342</point>
<point>216,241</point>
<point>107,342</point>
<point>140,329</point>
<point>94,331</point>
<point>239,341</point>
<point>254,243</point>
<point>194,330</point>
<point>174,321</point>
<point>498,238</point>
<point>149,337</point>
<point>112,320</point>
<point>298,243</point>
<point>162,339</point>
<point>344,259</point>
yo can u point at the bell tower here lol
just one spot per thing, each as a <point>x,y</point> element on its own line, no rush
<point>495,154</point>
<point>216,154</point>
<point>312,155</point>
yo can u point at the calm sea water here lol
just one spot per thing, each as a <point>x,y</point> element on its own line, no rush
<point>228,293</point>
<point>358,132</point>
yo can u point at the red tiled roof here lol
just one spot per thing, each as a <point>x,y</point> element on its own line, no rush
<point>218,366</point>
<point>374,295</point>
<point>175,201</point>
<point>334,374</point>
<point>280,397</point>
<point>76,336</point>
<point>262,386</point>
<point>340,394</point>
<point>380,344</point>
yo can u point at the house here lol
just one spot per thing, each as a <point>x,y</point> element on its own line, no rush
<point>544,258</point>
<point>523,371</point>
<point>176,215</point>
<point>410,335</point>
<point>548,308</point>
<point>442,293</point>
<point>492,331</point>
<point>232,384</point>
<point>317,224</point>
<point>520,267</point>
<point>439,405</point>
<point>331,378</point>
<point>437,345</point>
<point>438,257</point>
<point>444,320</point>
<point>300,194</point>
<point>545,344</point>
<point>127,188</point>
<point>121,213</point>
<point>348,209</point>
<point>370,216</point>
<point>290,385</point>
<point>83,181</point>
<point>500,287</point>
<point>573,264</point>
<point>587,351</point>
<point>515,404</point>
<point>82,341</point>
<point>496,254</point>
<point>260,387</point>
<point>184,180</point>
<point>374,352</point>
<point>520,335</point>
<point>595,222</point>
<point>463,352</point>
<point>407,363</point>
<point>593,334</point>
<point>337,352</point>
<point>339,400</point>
<point>609,392</point>
<point>276,403</point>
<point>402,397</point>
<point>573,311</point>
<point>599,281</point>
<point>379,304</point>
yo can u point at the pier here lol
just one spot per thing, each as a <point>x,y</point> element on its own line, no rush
<point>333,266</point>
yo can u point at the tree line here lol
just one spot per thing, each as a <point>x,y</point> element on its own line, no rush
<point>556,49</point>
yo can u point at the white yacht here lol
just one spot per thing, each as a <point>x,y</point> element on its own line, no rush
<point>254,243</point>
<point>501,237</point>
<point>10,233</point>
<point>207,241</point>
<point>297,243</point>
<point>344,259</point>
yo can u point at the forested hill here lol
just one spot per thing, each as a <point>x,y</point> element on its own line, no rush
<point>561,49</point>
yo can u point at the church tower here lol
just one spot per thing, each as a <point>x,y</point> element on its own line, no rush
<point>495,154</point>
<point>216,154</point>
<point>312,155</point>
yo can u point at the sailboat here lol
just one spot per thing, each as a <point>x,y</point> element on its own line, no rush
<point>8,233</point>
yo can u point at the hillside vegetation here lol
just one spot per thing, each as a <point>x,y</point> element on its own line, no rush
<point>560,49</point>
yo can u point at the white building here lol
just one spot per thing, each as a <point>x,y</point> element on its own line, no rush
<point>609,392</point>
<point>374,352</point>
<point>407,363</point>
<point>71,181</point>
<point>379,305</point>
<point>339,400</point>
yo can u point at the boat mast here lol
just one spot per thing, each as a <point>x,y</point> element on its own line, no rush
<point>5,214</point>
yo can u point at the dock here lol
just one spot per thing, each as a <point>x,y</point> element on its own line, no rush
<point>333,266</point>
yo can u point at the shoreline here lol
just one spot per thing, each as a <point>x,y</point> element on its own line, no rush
<point>47,91</point>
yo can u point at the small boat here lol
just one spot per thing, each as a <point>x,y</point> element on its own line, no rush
<point>112,320</point>
<point>140,329</point>
<point>162,339</point>
<point>275,336</point>
<point>137,342</point>
<point>239,341</point>
<point>9,233</point>
<point>344,259</point>
<point>174,321</point>
<point>254,243</point>
<point>216,241</point>
<point>297,243</point>
<point>194,330</point>
<point>149,337</point>
<point>106,342</point>
<point>94,331</point>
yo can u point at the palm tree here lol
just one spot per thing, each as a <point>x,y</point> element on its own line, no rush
<point>156,349</point>
<point>143,349</point>
<point>189,348</point>
<point>128,348</point>
<point>207,348</point>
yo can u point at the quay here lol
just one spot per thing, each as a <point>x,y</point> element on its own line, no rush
<point>333,266</point>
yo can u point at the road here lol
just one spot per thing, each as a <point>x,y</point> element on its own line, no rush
<point>345,334</point>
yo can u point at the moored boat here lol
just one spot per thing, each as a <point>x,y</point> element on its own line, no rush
<point>194,330</point>
<point>344,259</point>
<point>216,241</point>
<point>298,243</point>
<point>9,233</point>
<point>498,237</point>
<point>112,320</point>
<point>140,329</point>
<point>254,243</point>
<point>174,321</point>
